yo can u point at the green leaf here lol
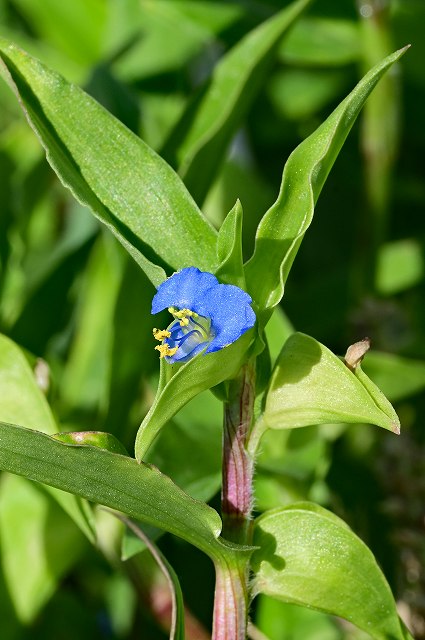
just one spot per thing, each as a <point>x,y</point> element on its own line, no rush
<point>277,331</point>
<point>84,382</point>
<point>310,385</point>
<point>107,167</point>
<point>113,480</point>
<point>282,228</point>
<point>99,439</point>
<point>198,24</point>
<point>301,93</point>
<point>229,248</point>
<point>189,379</point>
<point>279,620</point>
<point>23,402</point>
<point>76,28</point>
<point>196,427</point>
<point>130,359</point>
<point>35,533</point>
<point>400,266</point>
<point>398,377</point>
<point>22,399</point>
<point>310,557</point>
<point>201,138</point>
<point>324,42</point>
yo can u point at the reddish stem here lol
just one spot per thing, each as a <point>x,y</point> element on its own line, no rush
<point>231,592</point>
<point>231,601</point>
<point>238,467</point>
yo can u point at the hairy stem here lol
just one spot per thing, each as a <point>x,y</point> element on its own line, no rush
<point>238,467</point>
<point>231,594</point>
<point>231,601</point>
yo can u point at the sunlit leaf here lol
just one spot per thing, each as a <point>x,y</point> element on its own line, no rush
<point>193,377</point>
<point>95,156</point>
<point>310,557</point>
<point>282,228</point>
<point>118,482</point>
<point>310,385</point>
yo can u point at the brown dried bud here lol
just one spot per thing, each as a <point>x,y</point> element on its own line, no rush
<point>356,352</point>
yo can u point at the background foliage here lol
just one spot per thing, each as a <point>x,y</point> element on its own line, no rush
<point>71,298</point>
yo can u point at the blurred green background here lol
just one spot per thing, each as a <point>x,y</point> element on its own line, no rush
<point>71,298</point>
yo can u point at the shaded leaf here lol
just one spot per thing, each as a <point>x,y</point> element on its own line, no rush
<point>177,614</point>
<point>195,432</point>
<point>318,41</point>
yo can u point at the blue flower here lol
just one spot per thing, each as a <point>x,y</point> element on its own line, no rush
<point>207,315</point>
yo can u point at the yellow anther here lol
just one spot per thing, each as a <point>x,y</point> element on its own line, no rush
<point>182,315</point>
<point>165,350</point>
<point>161,334</point>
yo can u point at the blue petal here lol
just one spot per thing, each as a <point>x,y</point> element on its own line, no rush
<point>230,312</point>
<point>189,348</point>
<point>184,290</point>
<point>227,306</point>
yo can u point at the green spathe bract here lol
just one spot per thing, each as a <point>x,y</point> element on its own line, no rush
<point>311,385</point>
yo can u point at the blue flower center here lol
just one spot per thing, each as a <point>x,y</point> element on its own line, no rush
<point>188,334</point>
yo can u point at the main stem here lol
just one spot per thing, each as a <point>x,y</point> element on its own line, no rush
<point>238,466</point>
<point>231,594</point>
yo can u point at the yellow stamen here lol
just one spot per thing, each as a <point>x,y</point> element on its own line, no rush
<point>182,315</point>
<point>164,350</point>
<point>161,334</point>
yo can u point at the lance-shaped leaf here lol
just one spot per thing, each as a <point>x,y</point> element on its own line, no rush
<point>229,248</point>
<point>191,378</point>
<point>282,228</point>
<point>107,167</point>
<point>200,139</point>
<point>310,557</point>
<point>119,482</point>
<point>310,385</point>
